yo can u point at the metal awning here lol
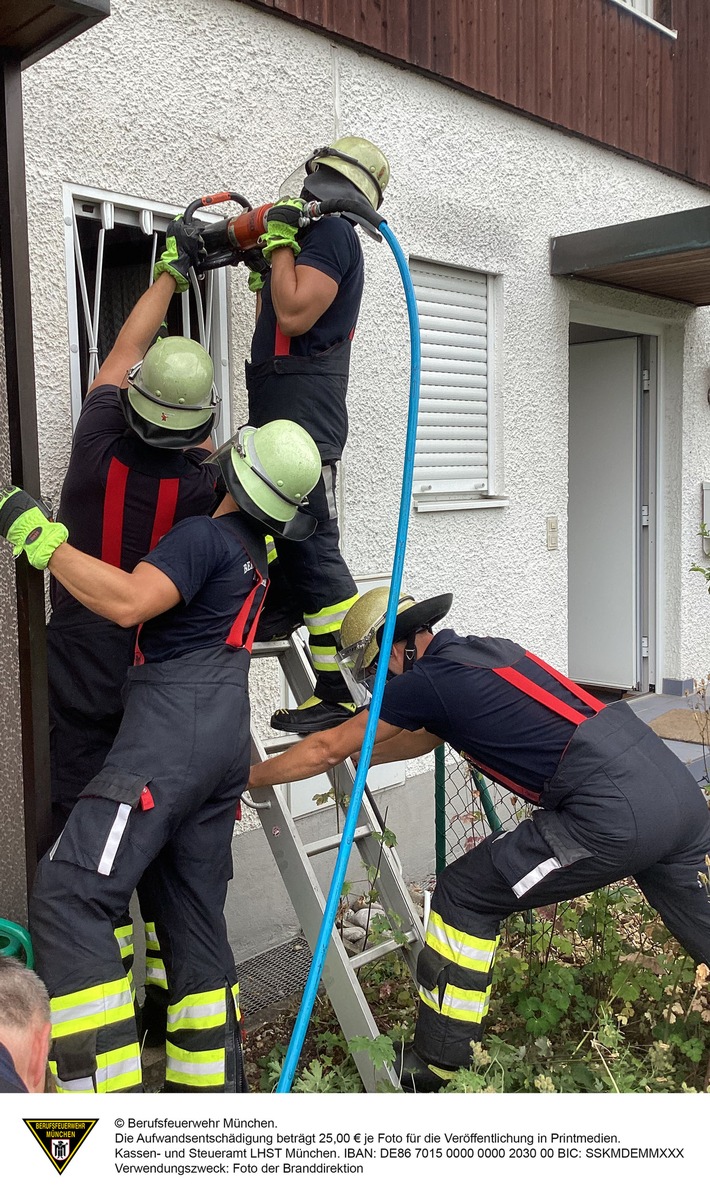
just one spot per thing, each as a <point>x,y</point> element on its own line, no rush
<point>666,256</point>
<point>29,29</point>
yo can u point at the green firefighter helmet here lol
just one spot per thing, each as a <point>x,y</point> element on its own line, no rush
<point>269,472</point>
<point>361,163</point>
<point>172,401</point>
<point>361,631</point>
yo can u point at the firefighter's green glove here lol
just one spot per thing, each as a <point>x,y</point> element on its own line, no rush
<point>27,525</point>
<point>282,226</point>
<point>184,248</point>
<point>258,268</point>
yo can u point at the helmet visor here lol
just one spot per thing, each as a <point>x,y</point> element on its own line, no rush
<point>357,688</point>
<point>293,183</point>
<point>351,661</point>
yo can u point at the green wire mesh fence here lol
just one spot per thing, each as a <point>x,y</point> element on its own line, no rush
<point>468,806</point>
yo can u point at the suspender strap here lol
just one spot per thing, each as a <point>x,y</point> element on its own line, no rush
<point>138,657</point>
<point>164,510</point>
<point>282,344</point>
<point>494,774</point>
<point>244,624</point>
<point>573,688</point>
<point>114,502</point>
<point>539,694</point>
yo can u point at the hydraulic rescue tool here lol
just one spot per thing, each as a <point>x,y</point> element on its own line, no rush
<point>227,240</point>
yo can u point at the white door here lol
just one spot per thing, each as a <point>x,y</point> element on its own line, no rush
<point>604,639</point>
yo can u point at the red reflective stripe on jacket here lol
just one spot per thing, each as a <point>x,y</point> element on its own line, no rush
<point>539,694</point>
<point>164,510</point>
<point>114,501</point>
<point>282,344</point>
<point>573,688</point>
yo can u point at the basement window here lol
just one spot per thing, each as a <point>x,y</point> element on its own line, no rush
<point>112,242</point>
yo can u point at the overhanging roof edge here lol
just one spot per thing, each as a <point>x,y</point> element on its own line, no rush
<point>87,14</point>
<point>631,241</point>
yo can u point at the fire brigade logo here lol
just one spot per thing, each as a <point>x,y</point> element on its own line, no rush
<point>60,1139</point>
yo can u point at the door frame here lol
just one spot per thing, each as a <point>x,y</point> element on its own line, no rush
<point>645,327</point>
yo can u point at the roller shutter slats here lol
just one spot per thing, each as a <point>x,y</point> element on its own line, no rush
<point>452,432</point>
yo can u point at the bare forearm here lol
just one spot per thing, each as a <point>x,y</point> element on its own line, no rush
<point>137,332</point>
<point>405,746</point>
<point>144,320</point>
<point>101,587</point>
<point>305,759</point>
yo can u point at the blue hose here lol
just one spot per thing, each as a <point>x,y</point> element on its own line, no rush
<point>346,843</point>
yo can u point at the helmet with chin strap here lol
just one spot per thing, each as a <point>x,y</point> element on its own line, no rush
<point>269,472</point>
<point>361,631</point>
<point>172,401</point>
<point>347,169</point>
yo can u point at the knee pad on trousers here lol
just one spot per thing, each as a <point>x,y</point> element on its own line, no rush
<point>75,1056</point>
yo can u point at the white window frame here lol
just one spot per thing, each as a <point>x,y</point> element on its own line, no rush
<point>643,10</point>
<point>152,217</point>
<point>480,493</point>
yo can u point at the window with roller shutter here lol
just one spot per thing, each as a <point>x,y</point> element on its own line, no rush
<point>452,459</point>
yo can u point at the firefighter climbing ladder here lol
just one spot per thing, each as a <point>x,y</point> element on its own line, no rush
<point>293,859</point>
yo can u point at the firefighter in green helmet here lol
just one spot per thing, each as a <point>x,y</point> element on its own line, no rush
<point>160,809</point>
<point>309,301</point>
<point>138,464</point>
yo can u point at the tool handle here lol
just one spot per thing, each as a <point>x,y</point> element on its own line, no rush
<point>214,198</point>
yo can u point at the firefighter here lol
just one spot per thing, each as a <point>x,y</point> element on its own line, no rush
<point>162,806</point>
<point>307,310</point>
<point>137,465</point>
<point>612,801</point>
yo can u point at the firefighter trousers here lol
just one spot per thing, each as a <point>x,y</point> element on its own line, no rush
<point>88,658</point>
<point>310,582</point>
<point>620,804</point>
<point>160,811</point>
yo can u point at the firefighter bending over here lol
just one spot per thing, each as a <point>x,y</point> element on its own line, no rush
<point>613,801</point>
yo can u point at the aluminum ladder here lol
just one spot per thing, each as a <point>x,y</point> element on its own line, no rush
<point>293,860</point>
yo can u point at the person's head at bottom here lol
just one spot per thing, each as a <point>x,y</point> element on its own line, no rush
<point>24,1029</point>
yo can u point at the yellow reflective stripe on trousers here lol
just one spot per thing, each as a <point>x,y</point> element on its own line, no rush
<point>116,1070</point>
<point>467,1005</point>
<point>235,995</point>
<point>198,1011</point>
<point>124,939</point>
<point>325,663</point>
<point>196,1069</point>
<point>88,1009</point>
<point>152,943</point>
<point>457,946</point>
<point>329,619</point>
<point>155,973</point>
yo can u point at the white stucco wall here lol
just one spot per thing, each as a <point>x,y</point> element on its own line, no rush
<point>472,185</point>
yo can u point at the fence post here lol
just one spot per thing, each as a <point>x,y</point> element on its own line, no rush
<point>440,807</point>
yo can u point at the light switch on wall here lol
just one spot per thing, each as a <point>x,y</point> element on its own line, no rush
<point>552,534</point>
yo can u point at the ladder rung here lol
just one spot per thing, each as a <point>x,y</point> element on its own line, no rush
<point>280,743</point>
<point>275,647</point>
<point>318,845</point>
<point>380,949</point>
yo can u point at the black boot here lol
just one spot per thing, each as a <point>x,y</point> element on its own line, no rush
<point>417,1075</point>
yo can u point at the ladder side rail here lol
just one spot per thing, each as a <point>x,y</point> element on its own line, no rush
<point>341,983</point>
